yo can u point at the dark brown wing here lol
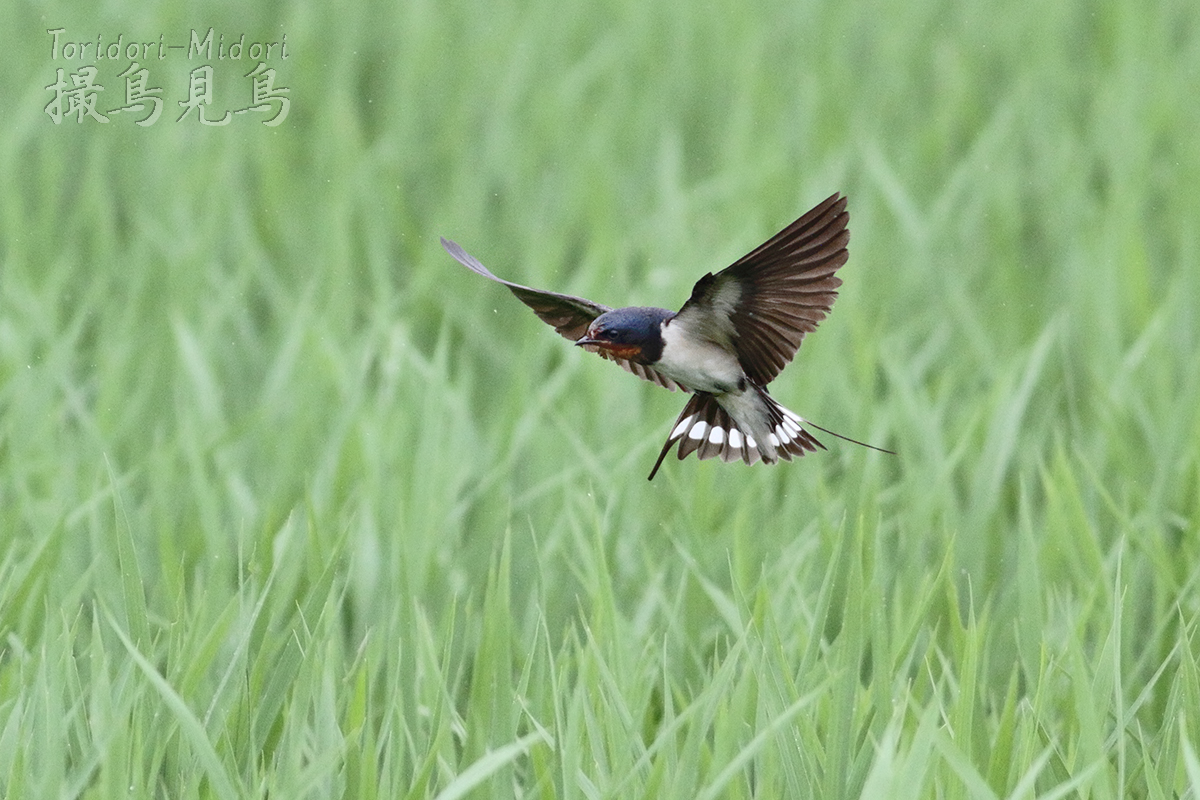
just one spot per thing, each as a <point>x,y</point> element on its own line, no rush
<point>766,301</point>
<point>568,315</point>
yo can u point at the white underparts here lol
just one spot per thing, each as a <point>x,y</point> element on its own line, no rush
<point>697,362</point>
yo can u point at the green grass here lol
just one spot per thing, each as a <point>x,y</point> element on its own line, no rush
<point>292,505</point>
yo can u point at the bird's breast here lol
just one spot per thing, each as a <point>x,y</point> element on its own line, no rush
<point>697,362</point>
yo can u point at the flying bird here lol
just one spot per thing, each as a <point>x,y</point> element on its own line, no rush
<point>732,337</point>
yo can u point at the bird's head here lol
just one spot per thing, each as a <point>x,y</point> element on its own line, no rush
<point>633,334</point>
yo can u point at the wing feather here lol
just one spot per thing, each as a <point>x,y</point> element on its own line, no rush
<point>570,316</point>
<point>778,292</point>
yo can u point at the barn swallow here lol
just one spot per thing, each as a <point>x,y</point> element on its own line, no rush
<point>732,337</point>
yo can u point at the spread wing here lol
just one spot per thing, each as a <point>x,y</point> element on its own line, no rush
<point>766,301</point>
<point>568,315</point>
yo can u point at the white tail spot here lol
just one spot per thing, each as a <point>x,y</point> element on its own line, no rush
<point>682,426</point>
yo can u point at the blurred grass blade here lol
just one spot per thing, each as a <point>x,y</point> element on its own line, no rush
<point>738,762</point>
<point>486,766</point>
<point>192,730</point>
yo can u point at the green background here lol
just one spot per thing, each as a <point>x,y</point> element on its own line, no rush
<point>292,505</point>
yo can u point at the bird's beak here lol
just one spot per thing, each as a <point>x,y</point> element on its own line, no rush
<point>585,339</point>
